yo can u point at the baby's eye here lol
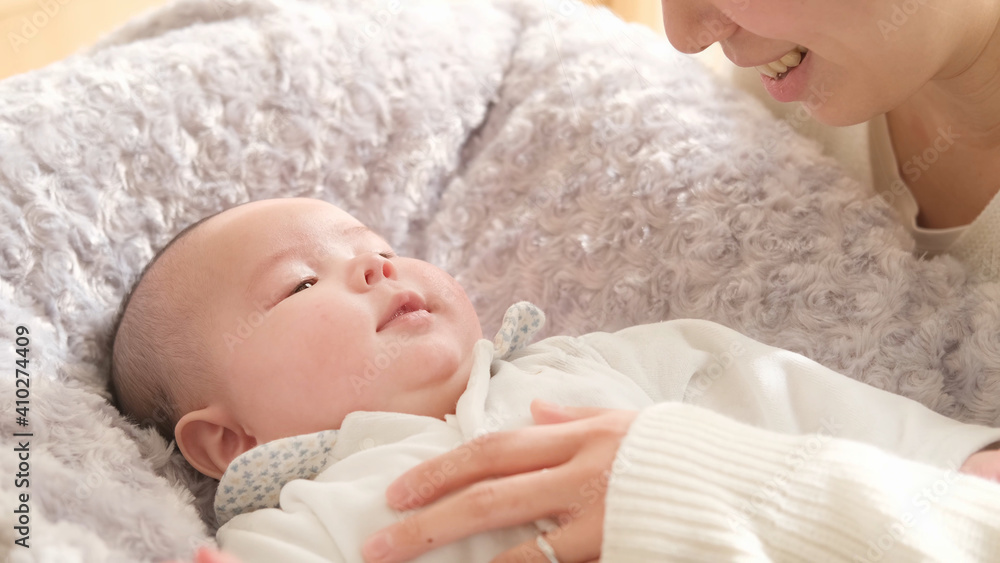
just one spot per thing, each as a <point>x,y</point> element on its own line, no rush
<point>304,285</point>
<point>387,254</point>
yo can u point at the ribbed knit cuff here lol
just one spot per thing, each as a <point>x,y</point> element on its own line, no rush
<point>690,484</point>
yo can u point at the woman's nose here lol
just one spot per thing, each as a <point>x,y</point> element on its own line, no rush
<point>371,268</point>
<point>693,25</point>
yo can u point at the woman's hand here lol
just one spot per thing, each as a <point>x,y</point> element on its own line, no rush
<point>558,469</point>
<point>209,555</point>
<point>985,463</point>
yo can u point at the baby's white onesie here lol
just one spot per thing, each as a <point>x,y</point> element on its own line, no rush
<point>316,498</point>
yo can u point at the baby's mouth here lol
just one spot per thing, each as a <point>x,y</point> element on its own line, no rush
<point>402,304</point>
<point>402,311</point>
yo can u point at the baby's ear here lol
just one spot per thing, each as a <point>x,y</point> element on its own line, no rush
<point>210,440</point>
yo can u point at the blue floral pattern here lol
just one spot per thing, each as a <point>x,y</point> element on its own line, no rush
<point>520,324</point>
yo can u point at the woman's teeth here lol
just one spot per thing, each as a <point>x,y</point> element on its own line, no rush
<point>779,67</point>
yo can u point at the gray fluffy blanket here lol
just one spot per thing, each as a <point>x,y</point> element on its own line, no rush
<point>537,150</point>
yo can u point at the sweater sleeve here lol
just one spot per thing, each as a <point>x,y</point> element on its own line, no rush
<point>710,365</point>
<point>692,485</point>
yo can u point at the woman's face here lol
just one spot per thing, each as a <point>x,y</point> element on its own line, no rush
<point>869,56</point>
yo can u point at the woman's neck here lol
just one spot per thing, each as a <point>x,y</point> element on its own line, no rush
<point>946,137</point>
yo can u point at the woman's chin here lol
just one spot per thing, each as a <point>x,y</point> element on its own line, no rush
<point>830,114</point>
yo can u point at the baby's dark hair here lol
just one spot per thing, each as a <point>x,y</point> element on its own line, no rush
<point>158,361</point>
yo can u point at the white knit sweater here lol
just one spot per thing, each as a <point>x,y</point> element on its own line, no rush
<point>865,151</point>
<point>693,485</point>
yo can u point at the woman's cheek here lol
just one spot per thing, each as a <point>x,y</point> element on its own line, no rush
<point>760,19</point>
<point>793,21</point>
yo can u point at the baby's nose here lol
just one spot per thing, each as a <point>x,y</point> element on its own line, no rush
<point>378,268</point>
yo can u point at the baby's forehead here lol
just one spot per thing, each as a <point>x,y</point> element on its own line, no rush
<point>266,223</point>
<point>259,230</point>
<point>197,265</point>
<point>283,218</point>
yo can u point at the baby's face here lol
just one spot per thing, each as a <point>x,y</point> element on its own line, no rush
<point>313,316</point>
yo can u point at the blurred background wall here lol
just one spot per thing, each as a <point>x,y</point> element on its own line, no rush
<point>646,12</point>
<point>37,32</point>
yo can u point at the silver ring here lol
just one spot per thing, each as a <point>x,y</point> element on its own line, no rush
<point>546,548</point>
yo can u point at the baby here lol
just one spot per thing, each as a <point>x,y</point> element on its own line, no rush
<point>292,355</point>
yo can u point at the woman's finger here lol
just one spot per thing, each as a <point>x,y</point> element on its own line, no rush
<point>545,412</point>
<point>576,540</point>
<point>484,506</point>
<point>581,453</point>
<point>210,555</point>
<point>206,554</point>
<point>492,455</point>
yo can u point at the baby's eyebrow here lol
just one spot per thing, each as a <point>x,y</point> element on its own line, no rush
<point>349,233</point>
<point>357,230</point>
<point>266,265</point>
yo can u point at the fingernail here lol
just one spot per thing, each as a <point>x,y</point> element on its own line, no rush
<point>376,548</point>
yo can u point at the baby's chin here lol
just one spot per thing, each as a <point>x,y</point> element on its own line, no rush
<point>450,390</point>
